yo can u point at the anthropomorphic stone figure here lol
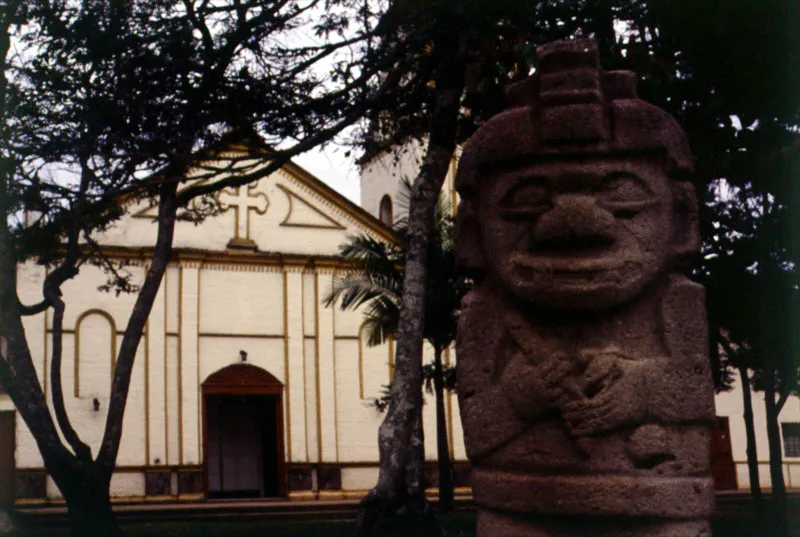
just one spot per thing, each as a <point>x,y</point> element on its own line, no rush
<point>583,376</point>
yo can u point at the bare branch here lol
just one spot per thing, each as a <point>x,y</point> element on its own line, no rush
<point>279,158</point>
<point>167,210</point>
<point>81,450</point>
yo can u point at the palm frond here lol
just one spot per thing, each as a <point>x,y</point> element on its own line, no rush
<point>356,288</point>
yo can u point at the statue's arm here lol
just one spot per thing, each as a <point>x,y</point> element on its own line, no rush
<point>680,386</point>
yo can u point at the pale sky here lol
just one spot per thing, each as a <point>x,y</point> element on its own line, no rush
<point>334,169</point>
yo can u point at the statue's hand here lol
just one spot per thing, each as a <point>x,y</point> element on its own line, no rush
<point>615,396</point>
<point>602,369</point>
<point>533,388</point>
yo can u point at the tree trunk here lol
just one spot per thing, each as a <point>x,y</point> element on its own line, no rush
<point>394,501</point>
<point>602,16</point>
<point>86,489</point>
<point>750,433</point>
<point>775,454</point>
<point>442,444</point>
<point>775,450</point>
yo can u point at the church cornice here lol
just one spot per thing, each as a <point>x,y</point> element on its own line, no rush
<point>191,256</point>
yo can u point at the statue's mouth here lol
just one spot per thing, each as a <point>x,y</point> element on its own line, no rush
<point>574,268</point>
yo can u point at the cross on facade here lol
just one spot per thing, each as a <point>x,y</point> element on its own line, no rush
<point>243,200</point>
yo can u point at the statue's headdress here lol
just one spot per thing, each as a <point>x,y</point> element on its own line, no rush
<point>570,106</point>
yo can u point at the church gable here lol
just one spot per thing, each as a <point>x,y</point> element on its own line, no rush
<point>288,212</point>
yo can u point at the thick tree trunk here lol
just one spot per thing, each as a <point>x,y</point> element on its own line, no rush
<point>750,433</point>
<point>392,504</point>
<point>85,486</point>
<point>442,444</point>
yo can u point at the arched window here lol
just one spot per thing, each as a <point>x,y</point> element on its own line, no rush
<point>385,211</point>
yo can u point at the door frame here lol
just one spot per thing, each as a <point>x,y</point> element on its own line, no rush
<point>246,379</point>
<point>726,466</point>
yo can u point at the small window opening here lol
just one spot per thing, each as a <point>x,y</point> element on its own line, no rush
<point>385,213</point>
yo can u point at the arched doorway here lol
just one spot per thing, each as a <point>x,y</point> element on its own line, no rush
<point>243,455</point>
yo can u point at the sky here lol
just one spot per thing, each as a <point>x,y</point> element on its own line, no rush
<point>334,169</point>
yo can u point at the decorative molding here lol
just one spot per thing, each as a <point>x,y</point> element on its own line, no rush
<point>286,374</point>
<point>317,380</point>
<point>293,198</point>
<point>180,365</point>
<point>77,346</point>
<point>242,336</point>
<point>333,199</point>
<point>305,373</point>
<point>146,337</point>
<point>200,445</point>
<point>237,260</point>
<point>166,367</point>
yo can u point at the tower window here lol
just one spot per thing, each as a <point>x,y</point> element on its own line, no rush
<point>385,211</point>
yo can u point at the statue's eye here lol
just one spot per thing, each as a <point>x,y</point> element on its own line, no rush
<point>623,188</point>
<point>529,194</point>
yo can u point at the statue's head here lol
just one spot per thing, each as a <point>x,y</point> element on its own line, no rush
<point>577,196</point>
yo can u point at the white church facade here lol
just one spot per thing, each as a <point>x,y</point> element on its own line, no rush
<point>245,384</point>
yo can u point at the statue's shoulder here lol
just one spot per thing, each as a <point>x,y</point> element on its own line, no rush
<point>683,316</point>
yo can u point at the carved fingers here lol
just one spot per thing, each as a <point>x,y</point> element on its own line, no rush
<point>589,416</point>
<point>620,399</point>
<point>533,388</point>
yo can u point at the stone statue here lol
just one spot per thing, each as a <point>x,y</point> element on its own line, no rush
<point>583,377</point>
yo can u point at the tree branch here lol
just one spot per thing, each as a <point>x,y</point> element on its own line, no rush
<point>167,212</point>
<point>782,401</point>
<point>279,158</point>
<point>82,451</point>
<point>52,292</point>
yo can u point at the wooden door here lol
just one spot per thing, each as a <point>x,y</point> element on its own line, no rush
<point>7,464</point>
<point>723,469</point>
<point>243,455</point>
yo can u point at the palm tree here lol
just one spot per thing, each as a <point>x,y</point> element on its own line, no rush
<point>376,282</point>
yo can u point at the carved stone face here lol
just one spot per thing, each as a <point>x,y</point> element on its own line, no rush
<point>580,234</point>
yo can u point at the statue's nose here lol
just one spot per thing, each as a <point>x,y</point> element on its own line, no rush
<point>575,222</point>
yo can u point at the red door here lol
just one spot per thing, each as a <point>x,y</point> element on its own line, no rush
<point>7,464</point>
<point>723,469</point>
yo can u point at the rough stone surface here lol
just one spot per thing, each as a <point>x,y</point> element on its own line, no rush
<point>583,375</point>
<point>6,524</point>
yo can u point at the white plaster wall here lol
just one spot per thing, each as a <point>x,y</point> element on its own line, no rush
<point>130,484</point>
<point>359,478</point>
<point>327,372</point>
<point>357,419</point>
<point>311,418</point>
<point>172,417</point>
<point>123,485</point>
<point>383,174</point>
<point>241,302</point>
<point>189,394</point>
<point>731,404</point>
<point>295,400</point>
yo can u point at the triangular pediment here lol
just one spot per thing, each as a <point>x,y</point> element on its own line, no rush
<point>286,212</point>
